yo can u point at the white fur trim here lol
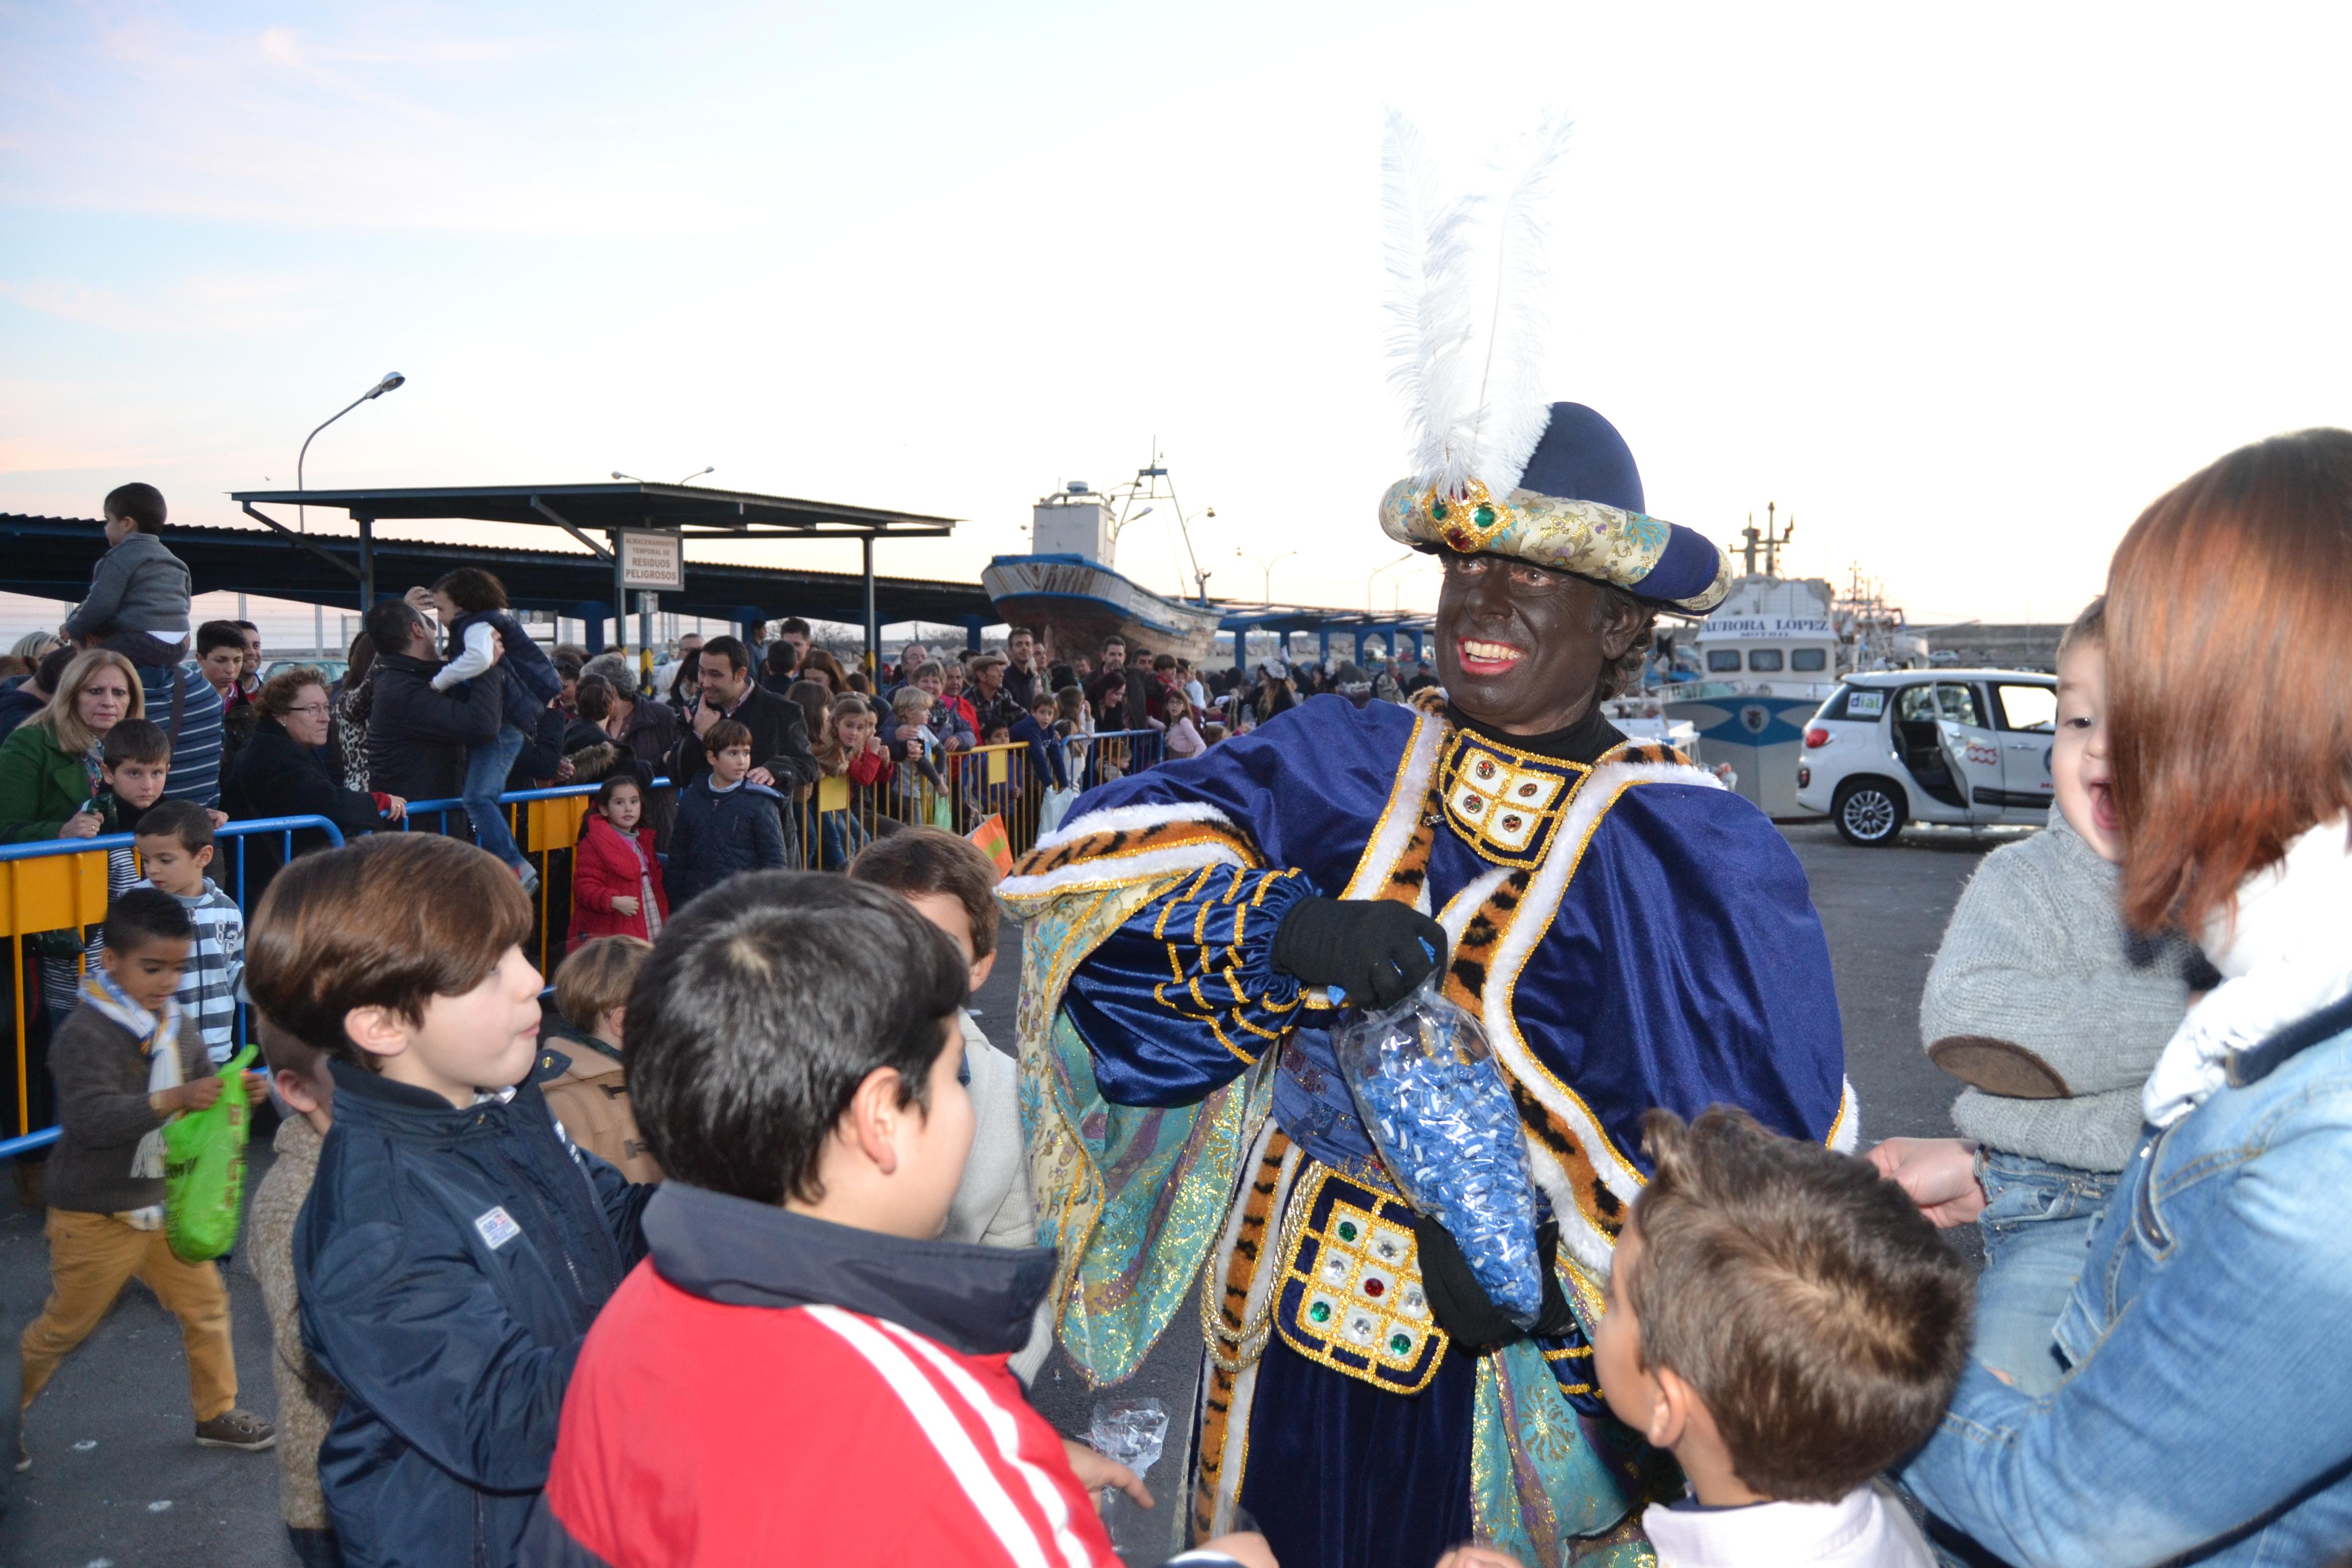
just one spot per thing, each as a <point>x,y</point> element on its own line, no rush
<point>1118,869</point>
<point>1128,819</point>
<point>1403,814</point>
<point>1600,792</point>
<point>1845,1137</point>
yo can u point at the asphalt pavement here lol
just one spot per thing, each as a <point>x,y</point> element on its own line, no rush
<point>118,1482</point>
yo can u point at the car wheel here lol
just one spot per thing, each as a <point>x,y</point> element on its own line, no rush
<point>1869,812</point>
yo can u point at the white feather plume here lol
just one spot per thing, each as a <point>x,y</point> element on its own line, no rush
<point>1429,264</point>
<point>1474,400</point>
<point>1513,408</point>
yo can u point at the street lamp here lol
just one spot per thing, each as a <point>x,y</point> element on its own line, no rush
<point>1379,571</point>
<point>392,380</point>
<point>1269,567</point>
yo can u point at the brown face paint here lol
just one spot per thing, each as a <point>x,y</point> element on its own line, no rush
<point>1543,621</point>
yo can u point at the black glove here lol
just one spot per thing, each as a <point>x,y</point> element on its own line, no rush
<point>1377,950</point>
<point>1461,1305</point>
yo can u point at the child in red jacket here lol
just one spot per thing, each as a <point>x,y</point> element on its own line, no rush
<point>616,879</point>
<point>802,1372</point>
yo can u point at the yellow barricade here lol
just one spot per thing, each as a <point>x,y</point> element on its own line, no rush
<point>52,892</point>
<point>555,824</point>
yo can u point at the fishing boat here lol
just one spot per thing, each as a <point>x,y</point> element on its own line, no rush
<point>1067,590</point>
<point>1756,669</point>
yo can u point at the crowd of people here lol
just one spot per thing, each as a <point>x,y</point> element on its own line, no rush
<point>736,1256</point>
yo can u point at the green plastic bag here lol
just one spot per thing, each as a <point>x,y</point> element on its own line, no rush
<point>204,1170</point>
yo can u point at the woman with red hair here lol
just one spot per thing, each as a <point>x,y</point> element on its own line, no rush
<point>2206,1415</point>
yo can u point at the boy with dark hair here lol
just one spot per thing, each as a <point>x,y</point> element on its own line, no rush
<point>307,1397</point>
<point>725,822</point>
<point>123,1067</point>
<point>455,1246</point>
<point>951,882</point>
<point>1788,1325</point>
<point>139,591</point>
<point>802,1372</point>
<point>134,766</point>
<point>176,846</point>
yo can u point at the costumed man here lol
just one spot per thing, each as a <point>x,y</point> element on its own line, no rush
<point>1629,933</point>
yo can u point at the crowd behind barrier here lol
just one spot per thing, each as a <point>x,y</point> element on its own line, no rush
<point>61,884</point>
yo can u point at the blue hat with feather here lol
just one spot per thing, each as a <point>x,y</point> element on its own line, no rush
<point>1499,468</point>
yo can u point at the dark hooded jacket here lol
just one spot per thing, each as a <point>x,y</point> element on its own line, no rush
<point>450,1262</point>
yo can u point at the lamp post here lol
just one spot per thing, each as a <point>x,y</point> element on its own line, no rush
<point>1379,571</point>
<point>1268,566</point>
<point>392,380</point>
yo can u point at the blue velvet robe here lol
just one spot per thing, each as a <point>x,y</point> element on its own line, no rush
<point>1632,935</point>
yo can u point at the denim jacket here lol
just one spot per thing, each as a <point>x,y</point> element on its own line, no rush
<point>2206,1416</point>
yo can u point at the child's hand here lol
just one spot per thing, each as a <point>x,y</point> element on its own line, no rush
<point>625,905</point>
<point>1939,1175</point>
<point>197,1096</point>
<point>80,824</point>
<point>420,600</point>
<point>1095,1472</point>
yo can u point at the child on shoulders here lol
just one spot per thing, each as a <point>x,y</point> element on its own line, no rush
<point>139,591</point>
<point>455,1245</point>
<point>1788,1325</point>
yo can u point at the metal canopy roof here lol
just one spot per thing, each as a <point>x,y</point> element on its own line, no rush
<point>692,509</point>
<point>52,556</point>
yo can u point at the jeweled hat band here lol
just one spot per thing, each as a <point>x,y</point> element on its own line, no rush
<point>1577,507</point>
<point>1657,562</point>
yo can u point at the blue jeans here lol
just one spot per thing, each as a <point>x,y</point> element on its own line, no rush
<point>2037,1227</point>
<point>486,778</point>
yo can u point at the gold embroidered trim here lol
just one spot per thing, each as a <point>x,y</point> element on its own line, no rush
<point>1358,1263</point>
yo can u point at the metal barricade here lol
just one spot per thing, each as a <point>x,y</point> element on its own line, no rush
<point>545,823</point>
<point>61,884</point>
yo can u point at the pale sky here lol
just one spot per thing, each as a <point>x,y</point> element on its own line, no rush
<point>1964,288</point>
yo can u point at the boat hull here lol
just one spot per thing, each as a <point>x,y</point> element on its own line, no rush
<point>1762,735</point>
<point>1076,604</point>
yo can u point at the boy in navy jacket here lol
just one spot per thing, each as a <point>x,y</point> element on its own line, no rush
<point>725,822</point>
<point>455,1245</point>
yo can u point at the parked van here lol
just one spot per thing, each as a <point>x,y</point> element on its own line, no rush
<point>1930,745</point>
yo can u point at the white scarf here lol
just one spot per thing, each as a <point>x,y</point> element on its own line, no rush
<point>2284,954</point>
<point>160,1038</point>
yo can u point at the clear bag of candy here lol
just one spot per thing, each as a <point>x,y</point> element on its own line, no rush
<point>1434,1103</point>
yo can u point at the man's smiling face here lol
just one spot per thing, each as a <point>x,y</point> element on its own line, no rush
<point>1521,648</point>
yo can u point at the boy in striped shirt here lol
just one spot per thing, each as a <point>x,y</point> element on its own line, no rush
<point>175,846</point>
<point>802,1372</point>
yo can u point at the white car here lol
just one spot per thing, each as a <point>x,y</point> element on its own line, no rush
<point>1930,745</point>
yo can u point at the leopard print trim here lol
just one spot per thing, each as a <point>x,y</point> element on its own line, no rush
<point>1122,843</point>
<point>1231,1330</point>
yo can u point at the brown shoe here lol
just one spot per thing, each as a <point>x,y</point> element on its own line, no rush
<point>237,1429</point>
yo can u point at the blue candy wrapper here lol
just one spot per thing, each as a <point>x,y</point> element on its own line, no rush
<point>1437,1109</point>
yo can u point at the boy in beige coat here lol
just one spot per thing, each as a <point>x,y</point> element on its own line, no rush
<point>590,1101</point>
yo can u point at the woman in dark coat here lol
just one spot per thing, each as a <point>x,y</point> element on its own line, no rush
<point>283,771</point>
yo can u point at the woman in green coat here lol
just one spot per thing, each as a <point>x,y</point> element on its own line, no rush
<point>48,764</point>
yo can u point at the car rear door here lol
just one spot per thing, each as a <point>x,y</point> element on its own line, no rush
<point>1971,747</point>
<point>2028,715</point>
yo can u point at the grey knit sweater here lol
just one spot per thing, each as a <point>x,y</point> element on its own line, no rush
<point>137,586</point>
<point>2038,955</point>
